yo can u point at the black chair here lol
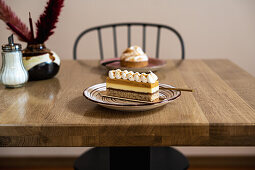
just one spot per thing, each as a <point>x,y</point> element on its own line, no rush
<point>128,25</point>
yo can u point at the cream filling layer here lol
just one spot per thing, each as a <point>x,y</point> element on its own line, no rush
<point>132,88</point>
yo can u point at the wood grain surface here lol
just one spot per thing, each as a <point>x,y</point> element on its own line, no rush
<point>220,111</point>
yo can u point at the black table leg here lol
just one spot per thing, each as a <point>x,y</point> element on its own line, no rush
<point>132,158</point>
<point>129,158</point>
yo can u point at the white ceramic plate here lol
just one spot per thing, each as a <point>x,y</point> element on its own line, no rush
<point>93,94</point>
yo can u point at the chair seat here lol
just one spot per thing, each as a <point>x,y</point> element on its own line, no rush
<point>160,158</point>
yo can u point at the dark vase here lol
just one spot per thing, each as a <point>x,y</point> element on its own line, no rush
<point>40,62</point>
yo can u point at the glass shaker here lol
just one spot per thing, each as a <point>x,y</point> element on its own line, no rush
<point>13,74</point>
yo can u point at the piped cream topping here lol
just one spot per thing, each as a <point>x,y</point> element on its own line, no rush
<point>134,54</point>
<point>131,76</point>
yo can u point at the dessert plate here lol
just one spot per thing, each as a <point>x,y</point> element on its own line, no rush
<point>114,63</point>
<point>93,94</point>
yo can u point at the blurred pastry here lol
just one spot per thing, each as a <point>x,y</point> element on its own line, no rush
<point>134,57</point>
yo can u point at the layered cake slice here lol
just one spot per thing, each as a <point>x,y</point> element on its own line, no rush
<point>132,85</point>
<point>134,57</point>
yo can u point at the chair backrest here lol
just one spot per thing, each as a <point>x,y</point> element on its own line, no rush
<point>128,25</point>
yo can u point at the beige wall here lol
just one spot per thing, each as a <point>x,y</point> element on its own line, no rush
<point>210,28</point>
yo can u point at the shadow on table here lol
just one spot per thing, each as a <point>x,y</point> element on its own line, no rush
<point>83,107</point>
<point>95,68</point>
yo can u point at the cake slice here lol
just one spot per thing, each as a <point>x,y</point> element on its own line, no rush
<point>131,85</point>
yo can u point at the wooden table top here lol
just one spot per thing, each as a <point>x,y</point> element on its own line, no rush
<point>221,111</point>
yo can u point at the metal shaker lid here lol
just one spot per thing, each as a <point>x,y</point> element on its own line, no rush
<point>11,46</point>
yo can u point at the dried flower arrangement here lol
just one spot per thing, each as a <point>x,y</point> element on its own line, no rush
<point>44,26</point>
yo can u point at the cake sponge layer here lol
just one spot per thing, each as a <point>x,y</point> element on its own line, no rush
<point>134,64</point>
<point>133,95</point>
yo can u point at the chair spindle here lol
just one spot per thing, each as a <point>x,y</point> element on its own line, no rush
<point>144,37</point>
<point>129,35</point>
<point>100,44</point>
<point>158,42</point>
<point>115,42</point>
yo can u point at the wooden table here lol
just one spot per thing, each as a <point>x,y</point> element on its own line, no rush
<point>221,111</point>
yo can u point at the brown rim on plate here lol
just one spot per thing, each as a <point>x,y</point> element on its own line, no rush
<point>174,94</point>
<point>154,64</point>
